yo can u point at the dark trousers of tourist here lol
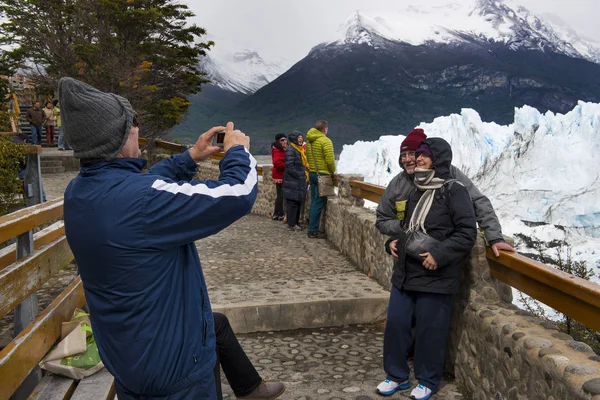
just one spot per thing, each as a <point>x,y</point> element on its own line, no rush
<point>293,212</point>
<point>50,134</point>
<point>278,200</point>
<point>317,203</point>
<point>239,371</point>
<point>432,323</point>
<point>36,134</point>
<point>203,390</point>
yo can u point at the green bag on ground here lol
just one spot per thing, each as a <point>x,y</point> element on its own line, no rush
<point>76,355</point>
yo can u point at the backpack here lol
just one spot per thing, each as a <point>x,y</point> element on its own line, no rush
<point>444,191</point>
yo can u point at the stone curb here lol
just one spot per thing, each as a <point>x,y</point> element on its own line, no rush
<point>260,317</point>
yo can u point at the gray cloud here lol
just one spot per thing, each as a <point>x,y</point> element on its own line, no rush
<point>289,29</point>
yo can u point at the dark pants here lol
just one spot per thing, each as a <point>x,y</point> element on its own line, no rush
<point>432,318</point>
<point>36,134</point>
<point>317,203</point>
<point>239,371</point>
<point>293,212</point>
<point>278,200</point>
<point>200,391</point>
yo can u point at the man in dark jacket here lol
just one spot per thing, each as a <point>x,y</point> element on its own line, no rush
<point>391,208</point>
<point>132,235</point>
<point>35,117</point>
<point>423,283</point>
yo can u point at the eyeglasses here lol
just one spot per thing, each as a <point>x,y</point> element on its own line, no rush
<point>283,140</point>
<point>407,154</point>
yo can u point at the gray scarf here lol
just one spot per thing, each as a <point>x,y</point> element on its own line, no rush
<point>424,180</point>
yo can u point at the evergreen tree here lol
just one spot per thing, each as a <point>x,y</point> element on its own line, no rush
<point>143,50</point>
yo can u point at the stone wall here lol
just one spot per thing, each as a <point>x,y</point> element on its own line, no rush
<point>496,351</point>
<point>501,352</point>
<point>265,201</point>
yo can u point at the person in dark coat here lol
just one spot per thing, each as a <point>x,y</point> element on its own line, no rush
<point>239,371</point>
<point>295,179</point>
<point>278,148</point>
<point>423,283</point>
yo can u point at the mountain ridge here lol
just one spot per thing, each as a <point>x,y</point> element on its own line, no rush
<point>368,83</point>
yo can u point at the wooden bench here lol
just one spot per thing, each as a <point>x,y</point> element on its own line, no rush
<point>24,267</point>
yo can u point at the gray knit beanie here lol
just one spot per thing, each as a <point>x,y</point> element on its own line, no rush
<point>96,124</point>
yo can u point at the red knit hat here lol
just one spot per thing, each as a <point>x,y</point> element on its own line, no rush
<point>413,140</point>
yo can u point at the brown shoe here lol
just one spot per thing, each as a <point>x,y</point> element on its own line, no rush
<point>317,235</point>
<point>266,390</point>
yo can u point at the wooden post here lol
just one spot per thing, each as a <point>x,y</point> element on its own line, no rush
<point>26,312</point>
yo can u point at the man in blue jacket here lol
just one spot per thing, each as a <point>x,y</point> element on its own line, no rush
<point>133,234</point>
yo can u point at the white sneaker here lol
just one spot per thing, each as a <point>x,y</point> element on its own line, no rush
<point>388,387</point>
<point>420,393</point>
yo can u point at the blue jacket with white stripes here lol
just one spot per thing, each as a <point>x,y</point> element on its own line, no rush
<point>132,235</point>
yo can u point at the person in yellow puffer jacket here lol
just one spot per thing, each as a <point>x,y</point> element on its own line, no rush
<point>321,160</point>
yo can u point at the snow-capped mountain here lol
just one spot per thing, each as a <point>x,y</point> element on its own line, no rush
<point>484,21</point>
<point>244,71</point>
<point>386,74</point>
<point>542,172</point>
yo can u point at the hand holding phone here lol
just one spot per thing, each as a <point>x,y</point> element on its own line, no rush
<point>234,137</point>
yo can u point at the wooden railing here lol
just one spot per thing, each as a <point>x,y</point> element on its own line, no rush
<point>573,296</point>
<point>366,191</point>
<point>24,267</point>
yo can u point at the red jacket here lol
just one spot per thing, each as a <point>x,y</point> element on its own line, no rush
<point>278,157</point>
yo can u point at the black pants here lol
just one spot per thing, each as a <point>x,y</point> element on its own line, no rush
<point>278,200</point>
<point>432,313</point>
<point>239,371</point>
<point>202,390</point>
<point>293,212</point>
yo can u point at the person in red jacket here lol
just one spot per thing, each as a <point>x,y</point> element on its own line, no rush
<point>278,148</point>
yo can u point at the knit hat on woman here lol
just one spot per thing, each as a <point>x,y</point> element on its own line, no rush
<point>425,149</point>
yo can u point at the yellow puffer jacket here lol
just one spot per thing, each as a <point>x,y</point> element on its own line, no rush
<point>323,152</point>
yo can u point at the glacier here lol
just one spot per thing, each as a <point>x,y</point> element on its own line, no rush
<point>541,173</point>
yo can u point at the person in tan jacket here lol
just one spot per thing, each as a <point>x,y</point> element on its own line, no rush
<point>49,122</point>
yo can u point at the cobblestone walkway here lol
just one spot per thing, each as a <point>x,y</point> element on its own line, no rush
<point>257,252</point>
<point>55,184</point>
<point>258,272</point>
<point>325,363</point>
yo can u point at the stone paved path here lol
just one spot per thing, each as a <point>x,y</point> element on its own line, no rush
<point>55,184</point>
<point>267,278</point>
<point>325,363</point>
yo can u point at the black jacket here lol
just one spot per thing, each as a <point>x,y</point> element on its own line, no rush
<point>451,220</point>
<point>294,178</point>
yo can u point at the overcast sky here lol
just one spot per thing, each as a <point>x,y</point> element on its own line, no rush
<point>290,28</point>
